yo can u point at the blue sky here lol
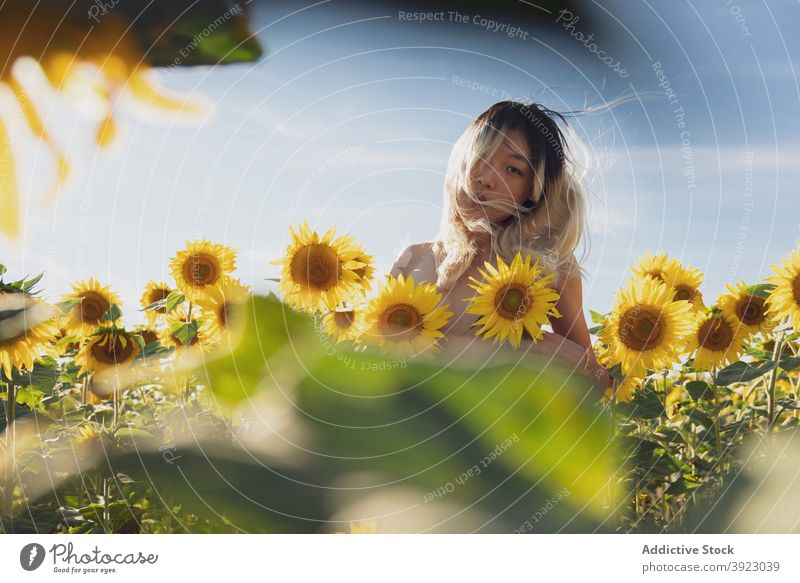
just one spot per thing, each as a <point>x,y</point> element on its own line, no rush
<point>350,118</point>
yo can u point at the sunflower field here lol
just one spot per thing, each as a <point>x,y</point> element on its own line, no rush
<point>340,404</point>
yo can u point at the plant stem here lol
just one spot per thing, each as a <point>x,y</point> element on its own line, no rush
<point>773,377</point>
<point>106,512</point>
<point>716,415</point>
<point>8,491</point>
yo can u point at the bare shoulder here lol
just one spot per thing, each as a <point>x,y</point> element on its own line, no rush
<point>569,277</point>
<point>416,260</point>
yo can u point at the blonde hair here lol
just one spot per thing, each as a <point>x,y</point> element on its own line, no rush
<point>549,225</point>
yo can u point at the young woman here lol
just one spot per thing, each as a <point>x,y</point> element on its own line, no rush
<point>510,186</point>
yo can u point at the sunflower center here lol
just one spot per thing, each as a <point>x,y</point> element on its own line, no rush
<point>92,307</point>
<point>641,328</point>
<point>401,322</point>
<point>796,289</point>
<point>715,334</point>
<point>222,314</point>
<point>201,269</point>
<point>751,310</point>
<point>684,292</point>
<point>148,336</point>
<point>157,295</point>
<point>113,350</point>
<point>316,266</point>
<point>344,320</point>
<point>13,340</point>
<point>512,301</point>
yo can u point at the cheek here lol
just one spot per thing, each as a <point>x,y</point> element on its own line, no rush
<point>521,189</point>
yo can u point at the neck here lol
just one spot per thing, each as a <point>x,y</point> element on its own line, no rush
<point>483,242</point>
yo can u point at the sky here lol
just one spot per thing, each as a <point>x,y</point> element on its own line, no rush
<point>350,118</point>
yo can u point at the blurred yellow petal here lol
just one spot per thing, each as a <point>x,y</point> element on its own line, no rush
<point>9,192</point>
<point>157,100</point>
<point>106,132</point>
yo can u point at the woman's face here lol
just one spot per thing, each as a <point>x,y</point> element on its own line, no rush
<point>505,176</point>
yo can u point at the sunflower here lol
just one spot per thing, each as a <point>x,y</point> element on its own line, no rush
<point>674,399</point>
<point>748,309</point>
<point>319,273</point>
<point>219,305</point>
<point>203,339</point>
<point>785,298</point>
<point>64,342</point>
<point>366,273</point>
<point>651,266</point>
<point>685,281</point>
<point>200,265</point>
<point>93,301</point>
<point>406,317</point>
<point>106,349</point>
<point>625,390</point>
<point>646,327</point>
<point>716,340</point>
<point>28,334</point>
<point>154,291</point>
<point>512,299</point>
<point>109,355</point>
<point>149,335</point>
<point>345,323</point>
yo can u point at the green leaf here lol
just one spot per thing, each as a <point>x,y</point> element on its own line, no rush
<point>645,404</point>
<point>139,340</point>
<point>699,390</point>
<point>266,328</point>
<point>113,313</point>
<point>68,304</point>
<point>530,428</point>
<point>740,372</point>
<point>2,269</point>
<point>212,32</point>
<point>789,363</point>
<point>174,299</point>
<point>597,317</point>
<point>133,433</point>
<point>67,340</point>
<point>761,290</point>
<point>698,416</point>
<point>185,331</point>
<point>29,397</point>
<point>29,283</point>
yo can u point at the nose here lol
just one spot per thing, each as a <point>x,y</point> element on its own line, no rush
<point>485,176</point>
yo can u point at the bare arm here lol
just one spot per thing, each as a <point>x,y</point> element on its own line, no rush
<point>572,323</point>
<point>416,261</point>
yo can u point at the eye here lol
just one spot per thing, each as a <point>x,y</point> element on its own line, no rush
<point>514,170</point>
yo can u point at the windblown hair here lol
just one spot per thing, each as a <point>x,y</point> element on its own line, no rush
<point>549,224</point>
